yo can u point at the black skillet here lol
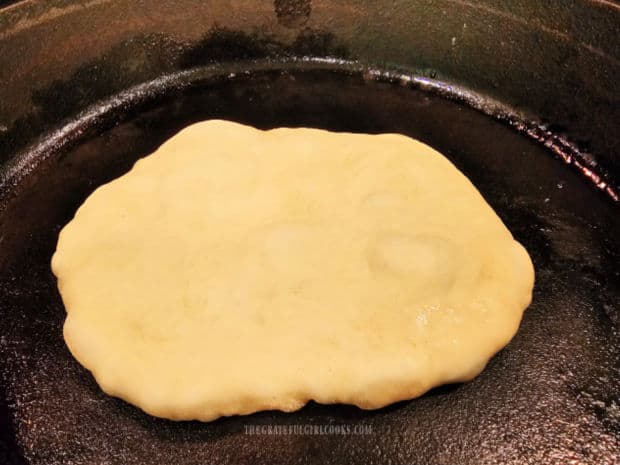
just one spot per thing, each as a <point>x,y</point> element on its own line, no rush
<point>522,96</point>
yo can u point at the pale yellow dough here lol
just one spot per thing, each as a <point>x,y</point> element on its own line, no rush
<point>237,270</point>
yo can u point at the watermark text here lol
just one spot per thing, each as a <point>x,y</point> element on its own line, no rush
<point>309,430</point>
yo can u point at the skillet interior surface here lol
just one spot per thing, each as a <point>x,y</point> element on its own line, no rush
<point>551,396</point>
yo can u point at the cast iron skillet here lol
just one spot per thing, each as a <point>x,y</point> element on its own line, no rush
<point>522,98</point>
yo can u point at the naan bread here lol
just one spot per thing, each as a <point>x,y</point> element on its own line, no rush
<point>237,270</point>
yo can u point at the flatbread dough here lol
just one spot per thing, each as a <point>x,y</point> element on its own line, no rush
<point>237,270</point>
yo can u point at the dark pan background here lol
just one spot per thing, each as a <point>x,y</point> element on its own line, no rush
<point>540,112</point>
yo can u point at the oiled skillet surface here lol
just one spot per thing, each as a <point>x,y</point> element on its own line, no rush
<point>551,396</point>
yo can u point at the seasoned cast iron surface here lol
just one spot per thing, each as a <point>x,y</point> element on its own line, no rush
<point>551,396</point>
